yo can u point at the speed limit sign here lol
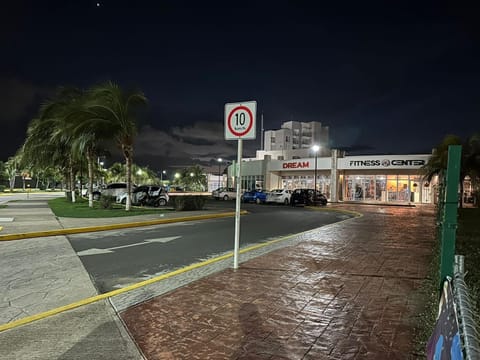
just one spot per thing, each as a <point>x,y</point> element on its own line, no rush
<point>240,120</point>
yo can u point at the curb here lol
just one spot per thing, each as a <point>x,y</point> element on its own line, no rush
<point>20,236</point>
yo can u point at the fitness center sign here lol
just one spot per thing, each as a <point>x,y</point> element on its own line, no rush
<point>398,162</point>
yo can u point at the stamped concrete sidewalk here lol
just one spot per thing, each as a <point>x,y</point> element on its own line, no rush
<point>344,291</point>
<point>350,291</point>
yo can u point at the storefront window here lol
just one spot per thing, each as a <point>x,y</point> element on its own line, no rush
<point>403,189</point>
<point>392,188</point>
<point>380,188</point>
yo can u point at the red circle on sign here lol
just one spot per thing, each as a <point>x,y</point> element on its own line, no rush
<point>234,132</point>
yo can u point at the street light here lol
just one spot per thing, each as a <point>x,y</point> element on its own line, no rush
<point>219,174</point>
<point>163,172</point>
<point>315,149</point>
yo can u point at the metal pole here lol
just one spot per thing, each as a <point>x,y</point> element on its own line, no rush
<point>315,180</point>
<point>238,176</point>
<point>449,218</point>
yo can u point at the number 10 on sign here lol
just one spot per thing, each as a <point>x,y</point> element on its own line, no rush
<point>240,120</point>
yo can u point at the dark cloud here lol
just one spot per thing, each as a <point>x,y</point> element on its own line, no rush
<point>17,98</point>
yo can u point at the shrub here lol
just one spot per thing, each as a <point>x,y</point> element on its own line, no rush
<point>188,202</point>
<point>2,188</point>
<point>106,202</point>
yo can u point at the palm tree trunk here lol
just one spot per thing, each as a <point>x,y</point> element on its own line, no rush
<point>90,160</point>
<point>128,163</point>
<point>72,181</point>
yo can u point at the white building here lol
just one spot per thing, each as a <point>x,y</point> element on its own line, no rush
<point>295,135</point>
<point>370,178</point>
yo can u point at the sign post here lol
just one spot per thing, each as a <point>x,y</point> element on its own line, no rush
<point>239,124</point>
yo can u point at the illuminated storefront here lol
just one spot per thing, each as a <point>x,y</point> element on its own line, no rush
<point>377,178</point>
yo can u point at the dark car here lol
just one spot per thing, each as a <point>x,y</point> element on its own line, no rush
<point>256,196</point>
<point>307,197</point>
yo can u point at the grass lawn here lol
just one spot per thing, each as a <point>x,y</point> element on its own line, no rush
<point>62,207</point>
<point>468,245</point>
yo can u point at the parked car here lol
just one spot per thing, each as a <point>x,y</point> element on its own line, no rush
<point>224,193</point>
<point>256,196</point>
<point>113,189</point>
<point>280,196</point>
<point>149,195</point>
<point>307,197</point>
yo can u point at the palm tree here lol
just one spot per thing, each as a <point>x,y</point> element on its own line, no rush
<point>437,164</point>
<point>48,142</point>
<point>116,173</point>
<point>470,160</point>
<point>194,178</point>
<point>11,167</point>
<point>114,108</point>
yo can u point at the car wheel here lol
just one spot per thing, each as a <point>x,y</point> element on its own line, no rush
<point>124,201</point>
<point>285,201</point>
<point>96,196</point>
<point>258,201</point>
<point>225,197</point>
<point>162,202</point>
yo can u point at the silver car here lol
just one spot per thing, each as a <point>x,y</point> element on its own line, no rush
<point>280,196</point>
<point>224,193</point>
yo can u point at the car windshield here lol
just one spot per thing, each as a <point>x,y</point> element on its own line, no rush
<point>277,191</point>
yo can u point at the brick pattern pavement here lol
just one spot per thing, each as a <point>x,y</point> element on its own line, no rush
<point>346,293</point>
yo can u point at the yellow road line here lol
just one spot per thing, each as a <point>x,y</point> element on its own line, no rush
<point>93,299</point>
<point>1,228</point>
<point>9,237</point>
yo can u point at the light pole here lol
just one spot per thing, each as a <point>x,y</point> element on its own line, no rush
<point>315,149</point>
<point>163,172</point>
<point>219,175</point>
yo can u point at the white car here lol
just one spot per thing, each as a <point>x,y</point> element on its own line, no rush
<point>224,193</point>
<point>280,196</point>
<point>113,190</point>
<point>149,195</point>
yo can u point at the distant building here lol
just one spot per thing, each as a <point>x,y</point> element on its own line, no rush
<point>294,140</point>
<point>297,135</point>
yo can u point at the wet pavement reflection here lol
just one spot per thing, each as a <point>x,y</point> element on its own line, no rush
<point>345,292</point>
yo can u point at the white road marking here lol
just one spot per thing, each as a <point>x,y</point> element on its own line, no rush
<point>9,219</point>
<point>96,251</point>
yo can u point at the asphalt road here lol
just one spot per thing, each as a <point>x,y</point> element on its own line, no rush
<point>117,258</point>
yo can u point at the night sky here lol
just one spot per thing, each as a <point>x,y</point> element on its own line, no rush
<point>386,77</point>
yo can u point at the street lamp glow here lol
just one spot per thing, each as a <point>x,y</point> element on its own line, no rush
<point>315,148</point>
<point>192,174</point>
<point>177,175</point>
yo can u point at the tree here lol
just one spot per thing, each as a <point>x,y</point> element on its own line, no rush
<point>3,174</point>
<point>437,164</point>
<point>115,109</point>
<point>48,142</point>
<point>193,178</point>
<point>470,160</point>
<point>11,169</point>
